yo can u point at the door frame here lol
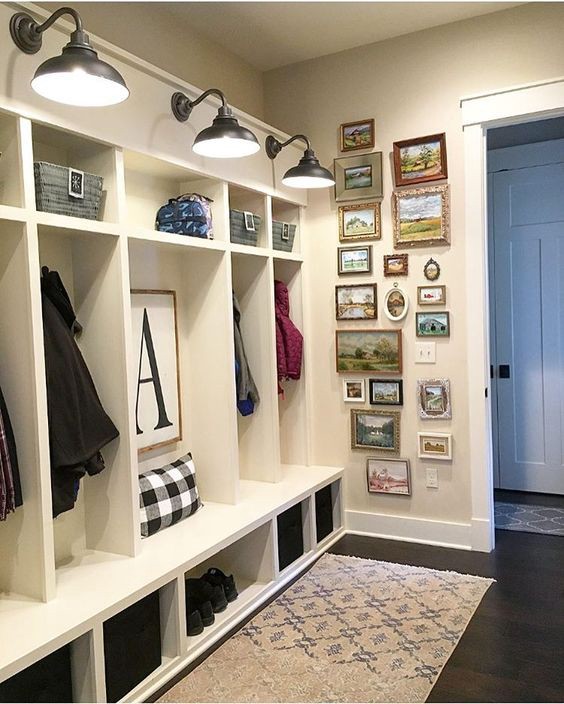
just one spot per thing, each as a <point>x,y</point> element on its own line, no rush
<point>479,113</point>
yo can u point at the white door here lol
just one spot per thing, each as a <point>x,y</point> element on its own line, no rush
<point>528,349</point>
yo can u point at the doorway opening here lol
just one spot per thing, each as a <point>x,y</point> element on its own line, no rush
<point>525,171</point>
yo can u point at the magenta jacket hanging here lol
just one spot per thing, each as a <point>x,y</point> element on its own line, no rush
<point>289,340</point>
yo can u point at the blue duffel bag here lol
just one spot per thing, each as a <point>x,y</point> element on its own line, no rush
<point>189,214</point>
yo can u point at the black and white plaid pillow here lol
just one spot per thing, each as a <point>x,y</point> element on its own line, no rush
<point>168,495</point>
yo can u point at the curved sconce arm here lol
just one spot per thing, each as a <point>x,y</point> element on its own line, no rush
<point>273,146</point>
<point>182,106</point>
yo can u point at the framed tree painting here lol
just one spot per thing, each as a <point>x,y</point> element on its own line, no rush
<point>369,351</point>
<point>420,160</point>
<point>375,430</point>
<point>158,415</point>
<point>359,222</point>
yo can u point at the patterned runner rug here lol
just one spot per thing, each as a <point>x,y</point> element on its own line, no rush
<point>350,630</point>
<point>529,519</point>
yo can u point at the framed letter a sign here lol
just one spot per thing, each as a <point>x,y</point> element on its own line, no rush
<point>155,343</point>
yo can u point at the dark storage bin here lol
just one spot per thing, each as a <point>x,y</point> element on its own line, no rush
<point>240,227</point>
<point>66,191</point>
<point>47,680</point>
<point>283,234</point>
<point>290,536</point>
<point>132,646</point>
<point>323,512</point>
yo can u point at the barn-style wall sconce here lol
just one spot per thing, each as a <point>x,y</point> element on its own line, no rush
<point>78,76</point>
<point>308,173</point>
<point>224,138</point>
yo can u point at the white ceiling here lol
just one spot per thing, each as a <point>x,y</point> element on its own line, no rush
<point>272,34</point>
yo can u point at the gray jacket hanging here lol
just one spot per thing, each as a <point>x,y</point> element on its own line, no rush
<point>247,392</point>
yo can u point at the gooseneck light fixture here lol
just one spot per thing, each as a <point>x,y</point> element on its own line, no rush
<point>77,76</point>
<point>308,173</point>
<point>224,138</point>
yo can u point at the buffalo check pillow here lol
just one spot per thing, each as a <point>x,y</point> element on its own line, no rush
<point>168,495</point>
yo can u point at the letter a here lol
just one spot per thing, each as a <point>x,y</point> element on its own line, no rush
<point>154,379</point>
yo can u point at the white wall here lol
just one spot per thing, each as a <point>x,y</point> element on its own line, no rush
<point>146,30</point>
<point>411,86</point>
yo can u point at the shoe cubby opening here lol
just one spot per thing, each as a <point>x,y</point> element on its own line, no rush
<point>201,281</point>
<point>258,442</point>
<point>250,560</point>
<point>244,201</point>
<point>140,640</point>
<point>150,183</point>
<point>288,214</point>
<point>64,148</point>
<point>292,410</point>
<point>10,162</point>
<point>24,568</point>
<point>49,679</point>
<point>328,511</point>
<point>91,268</point>
<point>294,533</point>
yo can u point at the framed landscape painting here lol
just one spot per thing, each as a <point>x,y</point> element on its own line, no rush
<point>420,160</point>
<point>396,304</point>
<point>433,399</point>
<point>357,135</point>
<point>359,222</point>
<point>396,264</point>
<point>387,392</point>
<point>358,177</point>
<point>368,351</point>
<point>354,260</point>
<point>387,476</point>
<point>375,430</point>
<point>436,446</point>
<point>421,216</point>
<point>353,391</point>
<point>356,302</point>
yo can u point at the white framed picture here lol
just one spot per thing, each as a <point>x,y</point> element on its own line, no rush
<point>354,391</point>
<point>436,446</point>
<point>158,415</point>
<point>396,304</point>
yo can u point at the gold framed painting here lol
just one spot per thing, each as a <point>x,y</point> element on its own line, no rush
<point>375,430</point>
<point>421,217</point>
<point>359,222</point>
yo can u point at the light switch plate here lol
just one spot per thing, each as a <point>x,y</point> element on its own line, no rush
<point>425,352</point>
<point>431,478</point>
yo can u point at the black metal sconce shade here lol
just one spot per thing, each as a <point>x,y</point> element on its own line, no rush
<point>77,76</point>
<point>308,173</point>
<point>224,138</point>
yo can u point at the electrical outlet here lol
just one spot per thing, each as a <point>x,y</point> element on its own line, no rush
<point>431,478</point>
<point>425,352</point>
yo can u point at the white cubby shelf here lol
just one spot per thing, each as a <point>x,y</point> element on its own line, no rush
<point>63,580</point>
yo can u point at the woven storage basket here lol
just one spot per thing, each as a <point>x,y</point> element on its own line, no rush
<point>52,192</point>
<point>283,235</point>
<point>238,230</point>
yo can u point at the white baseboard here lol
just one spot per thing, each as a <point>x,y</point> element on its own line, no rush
<point>413,530</point>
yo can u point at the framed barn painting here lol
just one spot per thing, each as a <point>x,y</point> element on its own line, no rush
<point>357,135</point>
<point>158,415</point>
<point>358,177</point>
<point>359,222</point>
<point>420,160</point>
<point>435,446</point>
<point>436,324</point>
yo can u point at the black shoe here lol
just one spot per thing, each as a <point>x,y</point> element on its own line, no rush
<point>216,577</point>
<point>194,624</point>
<point>219,600</point>
<point>199,592</point>
<point>206,612</point>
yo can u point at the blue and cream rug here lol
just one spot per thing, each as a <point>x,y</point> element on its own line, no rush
<point>529,519</point>
<point>350,630</point>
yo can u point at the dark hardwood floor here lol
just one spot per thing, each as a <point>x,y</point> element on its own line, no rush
<point>513,648</point>
<point>529,497</point>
